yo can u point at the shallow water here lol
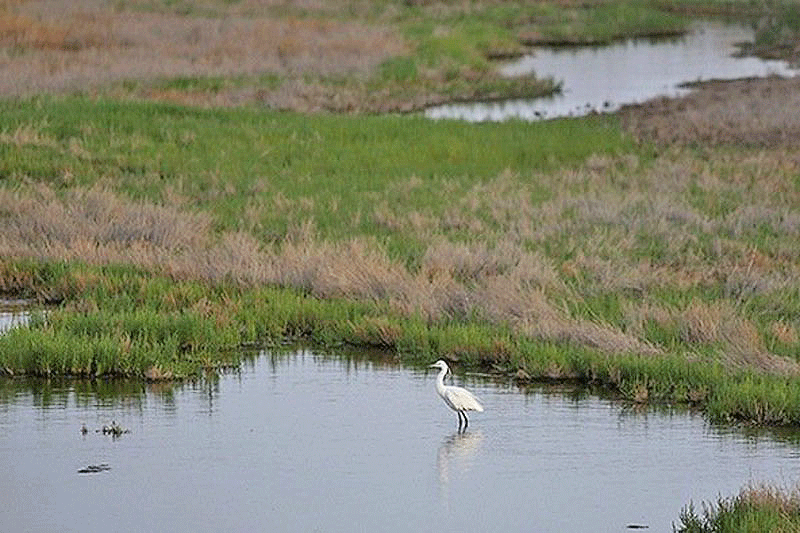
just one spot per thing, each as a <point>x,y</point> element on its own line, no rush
<point>604,78</point>
<point>306,442</point>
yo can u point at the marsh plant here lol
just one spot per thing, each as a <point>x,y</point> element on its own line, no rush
<point>755,508</point>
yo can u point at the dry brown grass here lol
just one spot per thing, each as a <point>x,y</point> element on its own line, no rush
<point>703,219</point>
<point>79,45</point>
<point>95,225</point>
<point>302,55</point>
<point>504,282</point>
<point>786,501</point>
<point>358,96</point>
<point>40,223</point>
<point>784,333</point>
<point>679,223</point>
<point>81,31</point>
<point>718,324</point>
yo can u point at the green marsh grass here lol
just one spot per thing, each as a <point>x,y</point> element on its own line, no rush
<point>155,328</point>
<point>169,237</point>
<point>611,21</point>
<point>284,168</point>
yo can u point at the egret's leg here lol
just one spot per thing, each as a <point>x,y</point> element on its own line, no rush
<point>466,420</point>
<point>458,413</point>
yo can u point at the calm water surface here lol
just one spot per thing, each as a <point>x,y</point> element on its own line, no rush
<point>606,77</point>
<point>13,313</point>
<point>306,442</point>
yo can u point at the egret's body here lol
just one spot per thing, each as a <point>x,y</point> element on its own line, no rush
<point>458,399</point>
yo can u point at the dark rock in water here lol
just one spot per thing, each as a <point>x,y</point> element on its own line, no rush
<point>94,469</point>
<point>637,526</point>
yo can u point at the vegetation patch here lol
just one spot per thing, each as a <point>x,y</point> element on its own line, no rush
<point>603,23</point>
<point>366,56</point>
<point>777,33</point>
<point>756,508</point>
<point>167,237</point>
<point>755,112</point>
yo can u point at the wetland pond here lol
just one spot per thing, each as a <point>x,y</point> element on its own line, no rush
<point>313,442</point>
<point>603,78</point>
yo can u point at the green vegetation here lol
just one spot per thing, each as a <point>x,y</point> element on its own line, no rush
<point>211,84</point>
<point>777,35</point>
<point>353,56</point>
<point>754,509</point>
<point>169,236</point>
<point>604,23</point>
<point>130,324</point>
<point>121,321</point>
<point>332,170</point>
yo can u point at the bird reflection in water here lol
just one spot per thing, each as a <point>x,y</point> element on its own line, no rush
<point>455,456</point>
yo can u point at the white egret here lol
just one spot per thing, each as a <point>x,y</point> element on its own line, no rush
<point>458,399</point>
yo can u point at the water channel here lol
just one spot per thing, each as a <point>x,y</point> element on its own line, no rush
<point>603,78</point>
<point>312,442</point>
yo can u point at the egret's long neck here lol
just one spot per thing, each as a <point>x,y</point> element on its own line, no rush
<point>440,382</point>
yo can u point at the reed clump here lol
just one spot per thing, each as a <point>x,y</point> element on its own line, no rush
<point>755,508</point>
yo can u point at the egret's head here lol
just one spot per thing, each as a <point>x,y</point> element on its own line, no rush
<point>441,365</point>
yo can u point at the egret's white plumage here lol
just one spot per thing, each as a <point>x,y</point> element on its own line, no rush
<point>458,399</point>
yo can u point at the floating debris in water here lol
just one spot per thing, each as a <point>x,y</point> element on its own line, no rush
<point>114,429</point>
<point>637,526</point>
<point>94,469</point>
<point>84,429</point>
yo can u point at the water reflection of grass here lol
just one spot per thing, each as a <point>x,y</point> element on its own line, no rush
<point>126,394</point>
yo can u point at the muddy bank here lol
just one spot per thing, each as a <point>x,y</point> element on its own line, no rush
<point>762,112</point>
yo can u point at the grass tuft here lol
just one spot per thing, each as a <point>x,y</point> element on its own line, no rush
<point>755,508</point>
